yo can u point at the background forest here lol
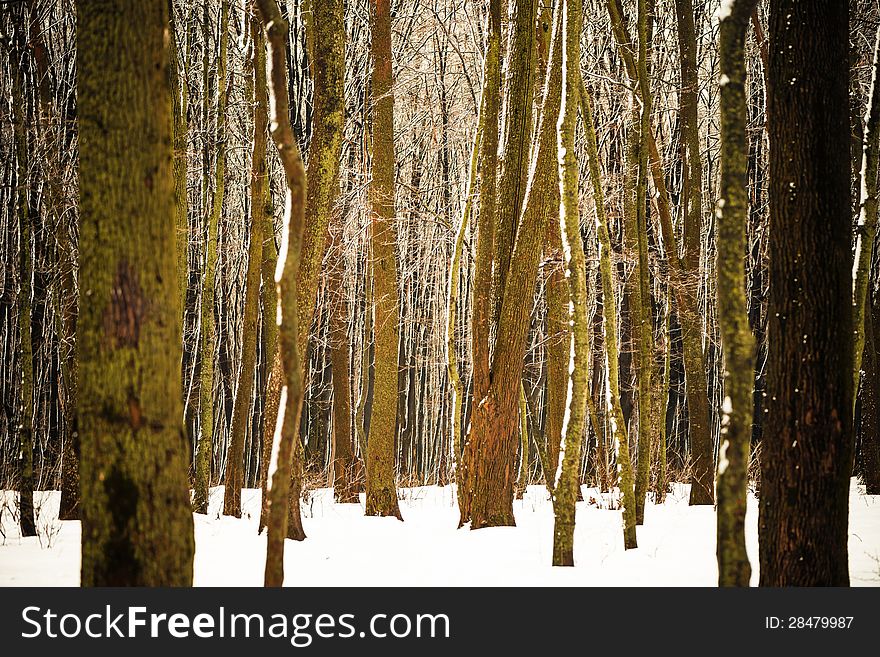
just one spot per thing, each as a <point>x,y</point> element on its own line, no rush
<point>624,244</point>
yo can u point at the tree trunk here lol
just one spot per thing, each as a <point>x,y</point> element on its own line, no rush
<point>482,285</point>
<point>558,337</point>
<point>684,277</point>
<point>495,426</point>
<point>870,406</point>
<point>688,280</point>
<point>381,489</point>
<point>807,449</point>
<point>344,461</point>
<point>566,478</point>
<point>137,527</point>
<point>867,226</point>
<point>455,382</point>
<point>737,339</point>
<point>290,407</point>
<point>517,112</point>
<point>25,483</point>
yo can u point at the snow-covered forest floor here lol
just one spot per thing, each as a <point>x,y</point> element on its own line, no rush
<point>343,548</point>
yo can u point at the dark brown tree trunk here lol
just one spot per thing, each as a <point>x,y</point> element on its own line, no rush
<point>688,285</point>
<point>808,447</point>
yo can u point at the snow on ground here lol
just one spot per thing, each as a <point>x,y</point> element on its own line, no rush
<point>676,545</point>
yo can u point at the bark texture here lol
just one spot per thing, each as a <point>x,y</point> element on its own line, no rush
<point>807,448</point>
<point>731,213</point>
<point>381,489</point>
<point>137,527</point>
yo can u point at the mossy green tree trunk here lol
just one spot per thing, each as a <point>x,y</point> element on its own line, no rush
<point>381,489</point>
<point>327,54</point>
<point>137,526</point>
<point>736,337</point>
<point>807,450</point>
<point>180,108</point>
<point>517,110</point>
<point>344,461</point>
<point>568,465</point>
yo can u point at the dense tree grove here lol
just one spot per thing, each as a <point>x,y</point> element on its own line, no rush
<point>378,244</point>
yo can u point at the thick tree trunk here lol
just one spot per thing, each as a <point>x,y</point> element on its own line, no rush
<point>688,280</point>
<point>482,285</point>
<point>137,526</point>
<point>807,449</point>
<point>495,426</point>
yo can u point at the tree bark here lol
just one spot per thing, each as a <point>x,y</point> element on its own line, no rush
<point>870,406</point>
<point>287,427</point>
<point>517,112</point>
<point>381,489</point>
<point>495,426</point>
<point>137,527</point>
<point>566,483</point>
<point>737,340</point>
<point>482,285</point>
<point>867,225</point>
<point>807,449</point>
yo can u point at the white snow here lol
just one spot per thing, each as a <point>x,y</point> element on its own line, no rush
<point>723,463</point>
<point>344,548</point>
<point>724,10</point>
